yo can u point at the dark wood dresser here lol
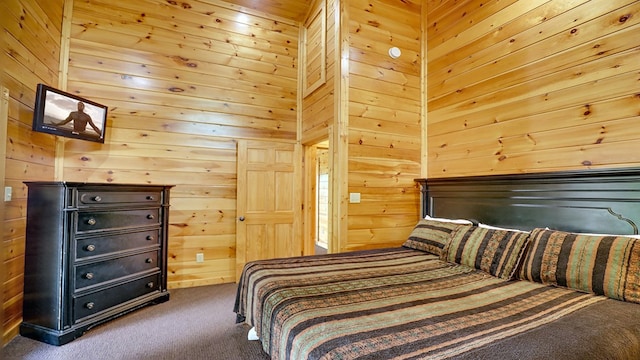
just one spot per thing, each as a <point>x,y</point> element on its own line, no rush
<point>93,252</point>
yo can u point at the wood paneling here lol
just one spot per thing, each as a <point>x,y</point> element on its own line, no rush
<point>29,55</point>
<point>314,48</point>
<point>318,107</point>
<point>183,83</point>
<point>7,250</point>
<point>511,86</point>
<point>384,121</point>
<point>528,86</point>
<point>290,9</point>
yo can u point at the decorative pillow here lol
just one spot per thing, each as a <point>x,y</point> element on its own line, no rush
<point>432,235</point>
<point>603,265</point>
<point>494,251</point>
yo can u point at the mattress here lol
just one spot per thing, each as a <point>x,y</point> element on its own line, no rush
<point>401,303</point>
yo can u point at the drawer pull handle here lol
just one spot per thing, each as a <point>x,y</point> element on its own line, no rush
<point>97,198</point>
<point>88,276</point>
<point>150,284</point>
<point>89,305</point>
<point>150,237</point>
<point>149,261</point>
<point>150,217</point>
<point>151,197</point>
<point>91,221</point>
<point>90,247</point>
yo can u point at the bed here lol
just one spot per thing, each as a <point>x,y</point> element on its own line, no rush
<point>529,266</point>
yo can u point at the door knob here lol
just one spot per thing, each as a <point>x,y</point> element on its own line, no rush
<point>241,218</point>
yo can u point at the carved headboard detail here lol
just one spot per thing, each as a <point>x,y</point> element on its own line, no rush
<point>591,201</point>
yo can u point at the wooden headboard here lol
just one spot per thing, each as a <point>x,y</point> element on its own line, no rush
<point>593,201</point>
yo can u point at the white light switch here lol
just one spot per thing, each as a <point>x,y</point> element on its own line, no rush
<point>7,193</point>
<point>354,198</point>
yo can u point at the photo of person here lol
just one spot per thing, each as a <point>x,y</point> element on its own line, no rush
<point>74,116</point>
<point>80,120</point>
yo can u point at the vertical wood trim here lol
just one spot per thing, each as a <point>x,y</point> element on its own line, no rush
<point>339,139</point>
<point>299,96</point>
<point>423,92</point>
<point>343,127</point>
<point>241,207</point>
<point>59,158</point>
<point>4,120</point>
<point>306,172</point>
<point>310,199</point>
<point>332,224</point>
<point>298,218</point>
<point>65,40</point>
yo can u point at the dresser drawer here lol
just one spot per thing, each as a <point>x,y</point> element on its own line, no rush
<point>105,220</point>
<point>97,246</point>
<point>88,197</point>
<point>92,304</point>
<point>102,271</point>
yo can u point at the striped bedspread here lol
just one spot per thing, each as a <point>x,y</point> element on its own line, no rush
<point>403,304</point>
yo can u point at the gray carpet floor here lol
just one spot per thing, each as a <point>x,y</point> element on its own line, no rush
<point>196,323</point>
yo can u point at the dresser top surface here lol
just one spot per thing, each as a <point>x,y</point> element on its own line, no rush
<point>93,185</point>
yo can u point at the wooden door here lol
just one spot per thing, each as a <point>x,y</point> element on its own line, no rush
<point>269,207</point>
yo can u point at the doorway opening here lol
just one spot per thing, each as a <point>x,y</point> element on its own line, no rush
<point>316,199</point>
<point>322,198</point>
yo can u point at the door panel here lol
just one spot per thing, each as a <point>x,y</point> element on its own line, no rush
<point>269,202</point>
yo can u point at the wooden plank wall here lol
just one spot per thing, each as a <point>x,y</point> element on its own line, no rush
<point>529,86</point>
<point>384,121</point>
<point>183,82</point>
<point>512,86</point>
<point>29,55</point>
<point>289,9</point>
<point>318,107</point>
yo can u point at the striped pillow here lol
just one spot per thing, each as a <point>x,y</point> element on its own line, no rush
<point>431,235</point>
<point>494,251</point>
<point>599,264</point>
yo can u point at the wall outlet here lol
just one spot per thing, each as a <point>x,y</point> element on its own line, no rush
<point>354,198</point>
<point>7,193</point>
<point>199,257</point>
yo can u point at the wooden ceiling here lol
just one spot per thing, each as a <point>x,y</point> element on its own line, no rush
<point>289,9</point>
